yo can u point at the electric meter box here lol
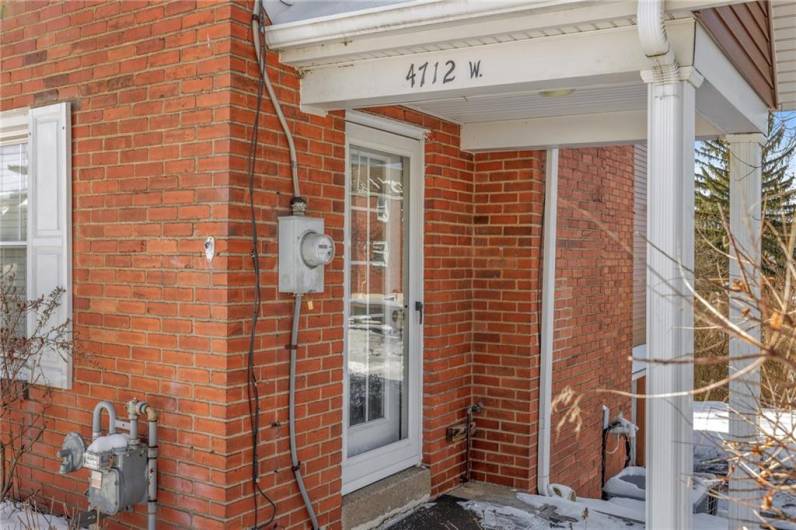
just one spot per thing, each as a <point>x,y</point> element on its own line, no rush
<point>304,250</point>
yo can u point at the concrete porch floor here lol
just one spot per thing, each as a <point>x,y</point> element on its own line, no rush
<point>481,506</point>
<point>495,507</point>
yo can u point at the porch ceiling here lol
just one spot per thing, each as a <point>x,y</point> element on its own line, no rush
<point>611,114</point>
<point>537,104</point>
<point>525,74</point>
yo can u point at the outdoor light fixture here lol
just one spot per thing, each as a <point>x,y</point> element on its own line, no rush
<point>557,93</point>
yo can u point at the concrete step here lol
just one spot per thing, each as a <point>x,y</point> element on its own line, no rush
<point>370,506</point>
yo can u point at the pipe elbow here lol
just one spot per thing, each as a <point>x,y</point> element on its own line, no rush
<point>150,413</point>
<point>654,41</point>
<point>651,29</point>
<point>96,419</point>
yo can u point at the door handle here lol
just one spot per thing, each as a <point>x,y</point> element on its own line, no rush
<point>419,309</point>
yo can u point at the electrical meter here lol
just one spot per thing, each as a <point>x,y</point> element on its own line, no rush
<point>316,249</point>
<point>304,250</point>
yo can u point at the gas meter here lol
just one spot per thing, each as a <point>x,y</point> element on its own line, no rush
<point>123,468</point>
<point>304,250</point>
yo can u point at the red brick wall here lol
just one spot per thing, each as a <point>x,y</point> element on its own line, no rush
<point>593,321</point>
<point>163,98</point>
<point>151,156</point>
<point>321,152</point>
<point>448,276</point>
<point>593,328</point>
<point>162,111</point>
<point>506,296</point>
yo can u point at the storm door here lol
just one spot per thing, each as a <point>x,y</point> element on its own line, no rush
<point>383,304</point>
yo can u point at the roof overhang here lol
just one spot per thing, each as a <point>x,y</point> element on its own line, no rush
<point>783,25</point>
<point>515,54</point>
<point>422,22</point>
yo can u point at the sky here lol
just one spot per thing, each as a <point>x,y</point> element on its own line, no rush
<point>790,119</point>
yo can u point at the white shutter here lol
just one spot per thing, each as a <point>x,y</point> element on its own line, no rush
<point>50,224</point>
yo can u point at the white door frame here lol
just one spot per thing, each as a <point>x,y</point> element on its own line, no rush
<point>373,132</point>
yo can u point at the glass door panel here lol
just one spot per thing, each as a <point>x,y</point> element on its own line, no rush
<point>375,332</point>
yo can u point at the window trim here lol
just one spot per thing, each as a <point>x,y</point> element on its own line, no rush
<point>639,366</point>
<point>14,126</point>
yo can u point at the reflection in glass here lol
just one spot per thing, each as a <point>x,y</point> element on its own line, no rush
<point>13,192</point>
<point>14,213</point>
<point>376,338</point>
<point>13,261</point>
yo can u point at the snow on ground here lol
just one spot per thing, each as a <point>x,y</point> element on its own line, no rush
<point>714,416</point>
<point>711,426</point>
<point>14,516</point>
<point>584,514</point>
<point>109,442</point>
<point>499,517</point>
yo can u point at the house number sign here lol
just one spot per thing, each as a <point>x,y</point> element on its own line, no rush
<point>441,72</point>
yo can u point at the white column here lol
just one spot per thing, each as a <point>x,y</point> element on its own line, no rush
<point>745,173</point>
<point>670,314</point>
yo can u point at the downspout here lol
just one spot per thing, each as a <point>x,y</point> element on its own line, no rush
<point>547,321</point>
<point>655,42</point>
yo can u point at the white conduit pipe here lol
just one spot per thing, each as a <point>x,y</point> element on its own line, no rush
<point>261,62</point>
<point>298,206</point>
<point>548,321</point>
<point>294,459</point>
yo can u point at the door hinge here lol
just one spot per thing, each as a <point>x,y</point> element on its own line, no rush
<point>419,309</point>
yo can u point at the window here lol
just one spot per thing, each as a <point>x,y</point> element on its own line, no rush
<point>14,210</point>
<point>35,213</point>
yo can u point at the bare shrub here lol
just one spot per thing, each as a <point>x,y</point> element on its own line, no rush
<point>765,296</point>
<point>27,335</point>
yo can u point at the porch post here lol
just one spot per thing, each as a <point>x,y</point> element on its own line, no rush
<point>670,313</point>
<point>745,174</point>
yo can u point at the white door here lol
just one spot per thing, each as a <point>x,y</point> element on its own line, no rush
<point>383,304</point>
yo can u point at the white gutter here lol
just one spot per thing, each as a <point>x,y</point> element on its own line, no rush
<point>416,15</point>
<point>548,321</point>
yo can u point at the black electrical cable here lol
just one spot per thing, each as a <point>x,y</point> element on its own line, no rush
<point>252,392</point>
<point>604,446</point>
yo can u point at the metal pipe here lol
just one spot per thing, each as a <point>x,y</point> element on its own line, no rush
<point>132,415</point>
<point>151,463</point>
<point>471,411</point>
<point>547,321</point>
<point>298,206</point>
<point>96,419</point>
<point>298,203</point>
<point>294,460</point>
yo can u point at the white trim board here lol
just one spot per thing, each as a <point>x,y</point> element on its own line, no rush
<point>13,125</point>
<point>386,124</point>
<point>593,58</point>
<point>638,365</point>
<point>580,130</point>
<point>725,98</point>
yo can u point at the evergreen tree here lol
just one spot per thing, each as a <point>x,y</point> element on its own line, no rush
<point>713,191</point>
<point>712,241</point>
